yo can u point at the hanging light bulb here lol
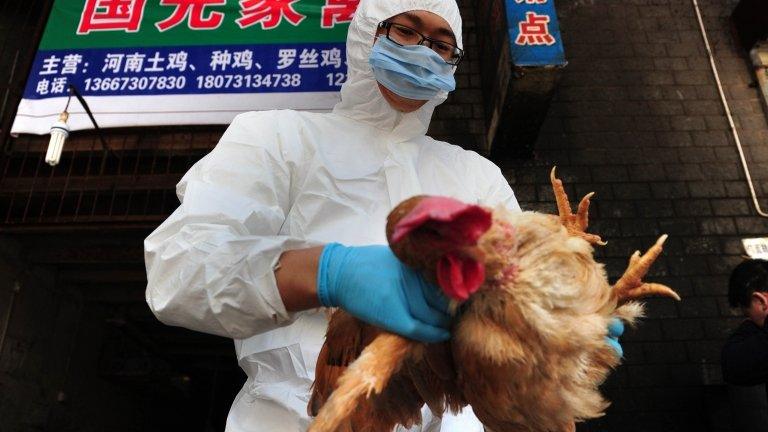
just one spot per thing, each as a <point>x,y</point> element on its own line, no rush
<point>60,130</point>
<point>59,134</point>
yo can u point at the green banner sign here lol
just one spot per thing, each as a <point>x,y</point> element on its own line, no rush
<point>138,58</point>
<point>145,23</point>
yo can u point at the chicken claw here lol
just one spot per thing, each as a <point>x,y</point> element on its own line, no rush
<point>631,286</point>
<point>575,224</point>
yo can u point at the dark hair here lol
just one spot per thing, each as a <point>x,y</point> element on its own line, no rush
<point>746,278</point>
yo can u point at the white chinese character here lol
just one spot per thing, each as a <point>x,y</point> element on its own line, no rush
<point>70,63</point>
<point>286,58</point>
<point>243,59</point>
<point>178,61</point>
<point>308,58</point>
<point>42,86</point>
<point>58,85</point>
<point>154,63</point>
<point>50,65</point>
<point>134,62</point>
<point>113,62</point>
<point>220,58</point>
<point>331,57</point>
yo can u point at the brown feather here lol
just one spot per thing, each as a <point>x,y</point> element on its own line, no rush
<point>343,344</point>
<point>366,376</point>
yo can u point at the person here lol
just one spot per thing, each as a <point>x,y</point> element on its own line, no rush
<point>745,353</point>
<point>287,214</point>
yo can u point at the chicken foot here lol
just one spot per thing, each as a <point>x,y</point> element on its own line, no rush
<point>576,224</point>
<point>631,286</point>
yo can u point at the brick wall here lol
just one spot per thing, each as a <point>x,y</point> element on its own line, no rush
<point>637,118</point>
<point>460,120</point>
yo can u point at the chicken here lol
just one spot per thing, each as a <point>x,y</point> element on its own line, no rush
<point>531,306</point>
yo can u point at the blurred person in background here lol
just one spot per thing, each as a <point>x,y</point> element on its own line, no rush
<point>745,354</point>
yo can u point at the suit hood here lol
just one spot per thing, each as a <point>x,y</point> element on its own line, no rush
<point>360,96</point>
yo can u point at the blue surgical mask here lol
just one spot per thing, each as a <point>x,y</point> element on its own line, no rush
<point>413,71</point>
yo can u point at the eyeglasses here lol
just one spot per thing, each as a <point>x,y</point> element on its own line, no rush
<point>404,35</point>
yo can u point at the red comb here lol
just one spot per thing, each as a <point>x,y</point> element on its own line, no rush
<point>470,221</point>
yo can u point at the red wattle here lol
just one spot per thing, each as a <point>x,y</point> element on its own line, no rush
<point>459,276</point>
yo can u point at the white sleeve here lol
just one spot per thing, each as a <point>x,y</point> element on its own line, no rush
<point>494,188</point>
<point>210,264</point>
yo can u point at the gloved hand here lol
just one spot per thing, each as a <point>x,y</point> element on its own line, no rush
<point>370,283</point>
<point>615,330</point>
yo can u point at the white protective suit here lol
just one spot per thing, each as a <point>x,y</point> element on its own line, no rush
<point>281,180</point>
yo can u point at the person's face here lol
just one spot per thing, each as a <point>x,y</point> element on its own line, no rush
<point>430,25</point>
<point>758,308</point>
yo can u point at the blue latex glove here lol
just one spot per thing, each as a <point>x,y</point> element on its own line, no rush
<point>615,330</point>
<point>370,283</point>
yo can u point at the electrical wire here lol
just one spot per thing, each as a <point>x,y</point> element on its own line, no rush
<point>73,92</point>
<point>69,99</point>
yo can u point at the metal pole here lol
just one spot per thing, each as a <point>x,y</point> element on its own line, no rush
<point>728,115</point>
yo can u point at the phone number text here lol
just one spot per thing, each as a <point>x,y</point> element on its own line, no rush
<point>206,82</point>
<point>135,83</point>
<point>248,81</point>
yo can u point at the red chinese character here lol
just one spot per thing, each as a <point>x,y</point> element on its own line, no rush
<point>192,12</point>
<point>534,30</point>
<point>101,15</point>
<point>268,13</point>
<point>338,11</point>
